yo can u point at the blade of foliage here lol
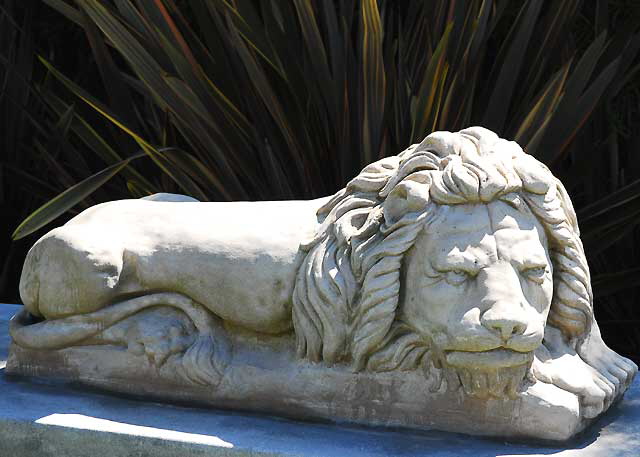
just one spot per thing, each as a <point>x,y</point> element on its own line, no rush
<point>535,122</point>
<point>611,283</point>
<point>496,111</point>
<point>434,74</point>
<point>116,89</point>
<point>248,25</point>
<point>608,224</point>
<point>68,11</point>
<point>602,207</point>
<point>68,199</point>
<point>581,112</point>
<point>96,142</point>
<point>374,80</point>
<point>176,174</point>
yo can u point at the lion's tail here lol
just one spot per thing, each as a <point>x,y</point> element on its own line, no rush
<point>203,362</point>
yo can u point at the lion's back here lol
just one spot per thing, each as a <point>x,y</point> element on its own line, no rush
<point>238,259</point>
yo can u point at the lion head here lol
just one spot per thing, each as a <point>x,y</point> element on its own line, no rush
<point>462,256</point>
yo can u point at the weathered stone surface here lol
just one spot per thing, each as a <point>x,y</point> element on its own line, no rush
<point>44,418</point>
<point>445,288</point>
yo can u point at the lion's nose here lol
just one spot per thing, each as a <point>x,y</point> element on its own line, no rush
<point>505,325</point>
<point>503,301</point>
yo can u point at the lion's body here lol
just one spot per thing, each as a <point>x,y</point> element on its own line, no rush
<point>333,271</point>
<point>238,260</point>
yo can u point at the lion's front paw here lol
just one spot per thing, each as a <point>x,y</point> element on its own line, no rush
<point>158,346</point>
<point>159,335</point>
<point>618,370</point>
<point>571,373</point>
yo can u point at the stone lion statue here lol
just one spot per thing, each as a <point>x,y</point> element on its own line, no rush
<point>459,259</point>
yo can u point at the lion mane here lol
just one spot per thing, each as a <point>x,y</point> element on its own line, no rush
<point>349,284</point>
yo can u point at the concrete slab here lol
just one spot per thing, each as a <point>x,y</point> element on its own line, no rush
<point>44,418</point>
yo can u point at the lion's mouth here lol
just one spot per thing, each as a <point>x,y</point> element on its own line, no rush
<point>497,373</point>
<point>488,360</point>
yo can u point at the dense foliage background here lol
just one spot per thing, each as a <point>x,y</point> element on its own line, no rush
<point>249,99</point>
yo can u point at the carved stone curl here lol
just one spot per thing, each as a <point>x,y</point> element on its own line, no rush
<point>444,287</point>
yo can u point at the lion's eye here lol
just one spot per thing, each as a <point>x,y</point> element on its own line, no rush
<point>536,274</point>
<point>456,277</point>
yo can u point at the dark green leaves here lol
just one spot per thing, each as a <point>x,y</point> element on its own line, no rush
<point>315,90</point>
<point>278,99</point>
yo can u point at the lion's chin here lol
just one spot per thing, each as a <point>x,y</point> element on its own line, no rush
<point>498,373</point>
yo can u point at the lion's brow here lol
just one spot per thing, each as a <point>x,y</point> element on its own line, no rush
<point>464,259</point>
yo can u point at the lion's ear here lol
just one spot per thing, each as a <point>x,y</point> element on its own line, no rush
<point>407,197</point>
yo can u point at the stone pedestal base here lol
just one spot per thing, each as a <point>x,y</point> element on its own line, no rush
<point>385,399</point>
<point>53,418</point>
